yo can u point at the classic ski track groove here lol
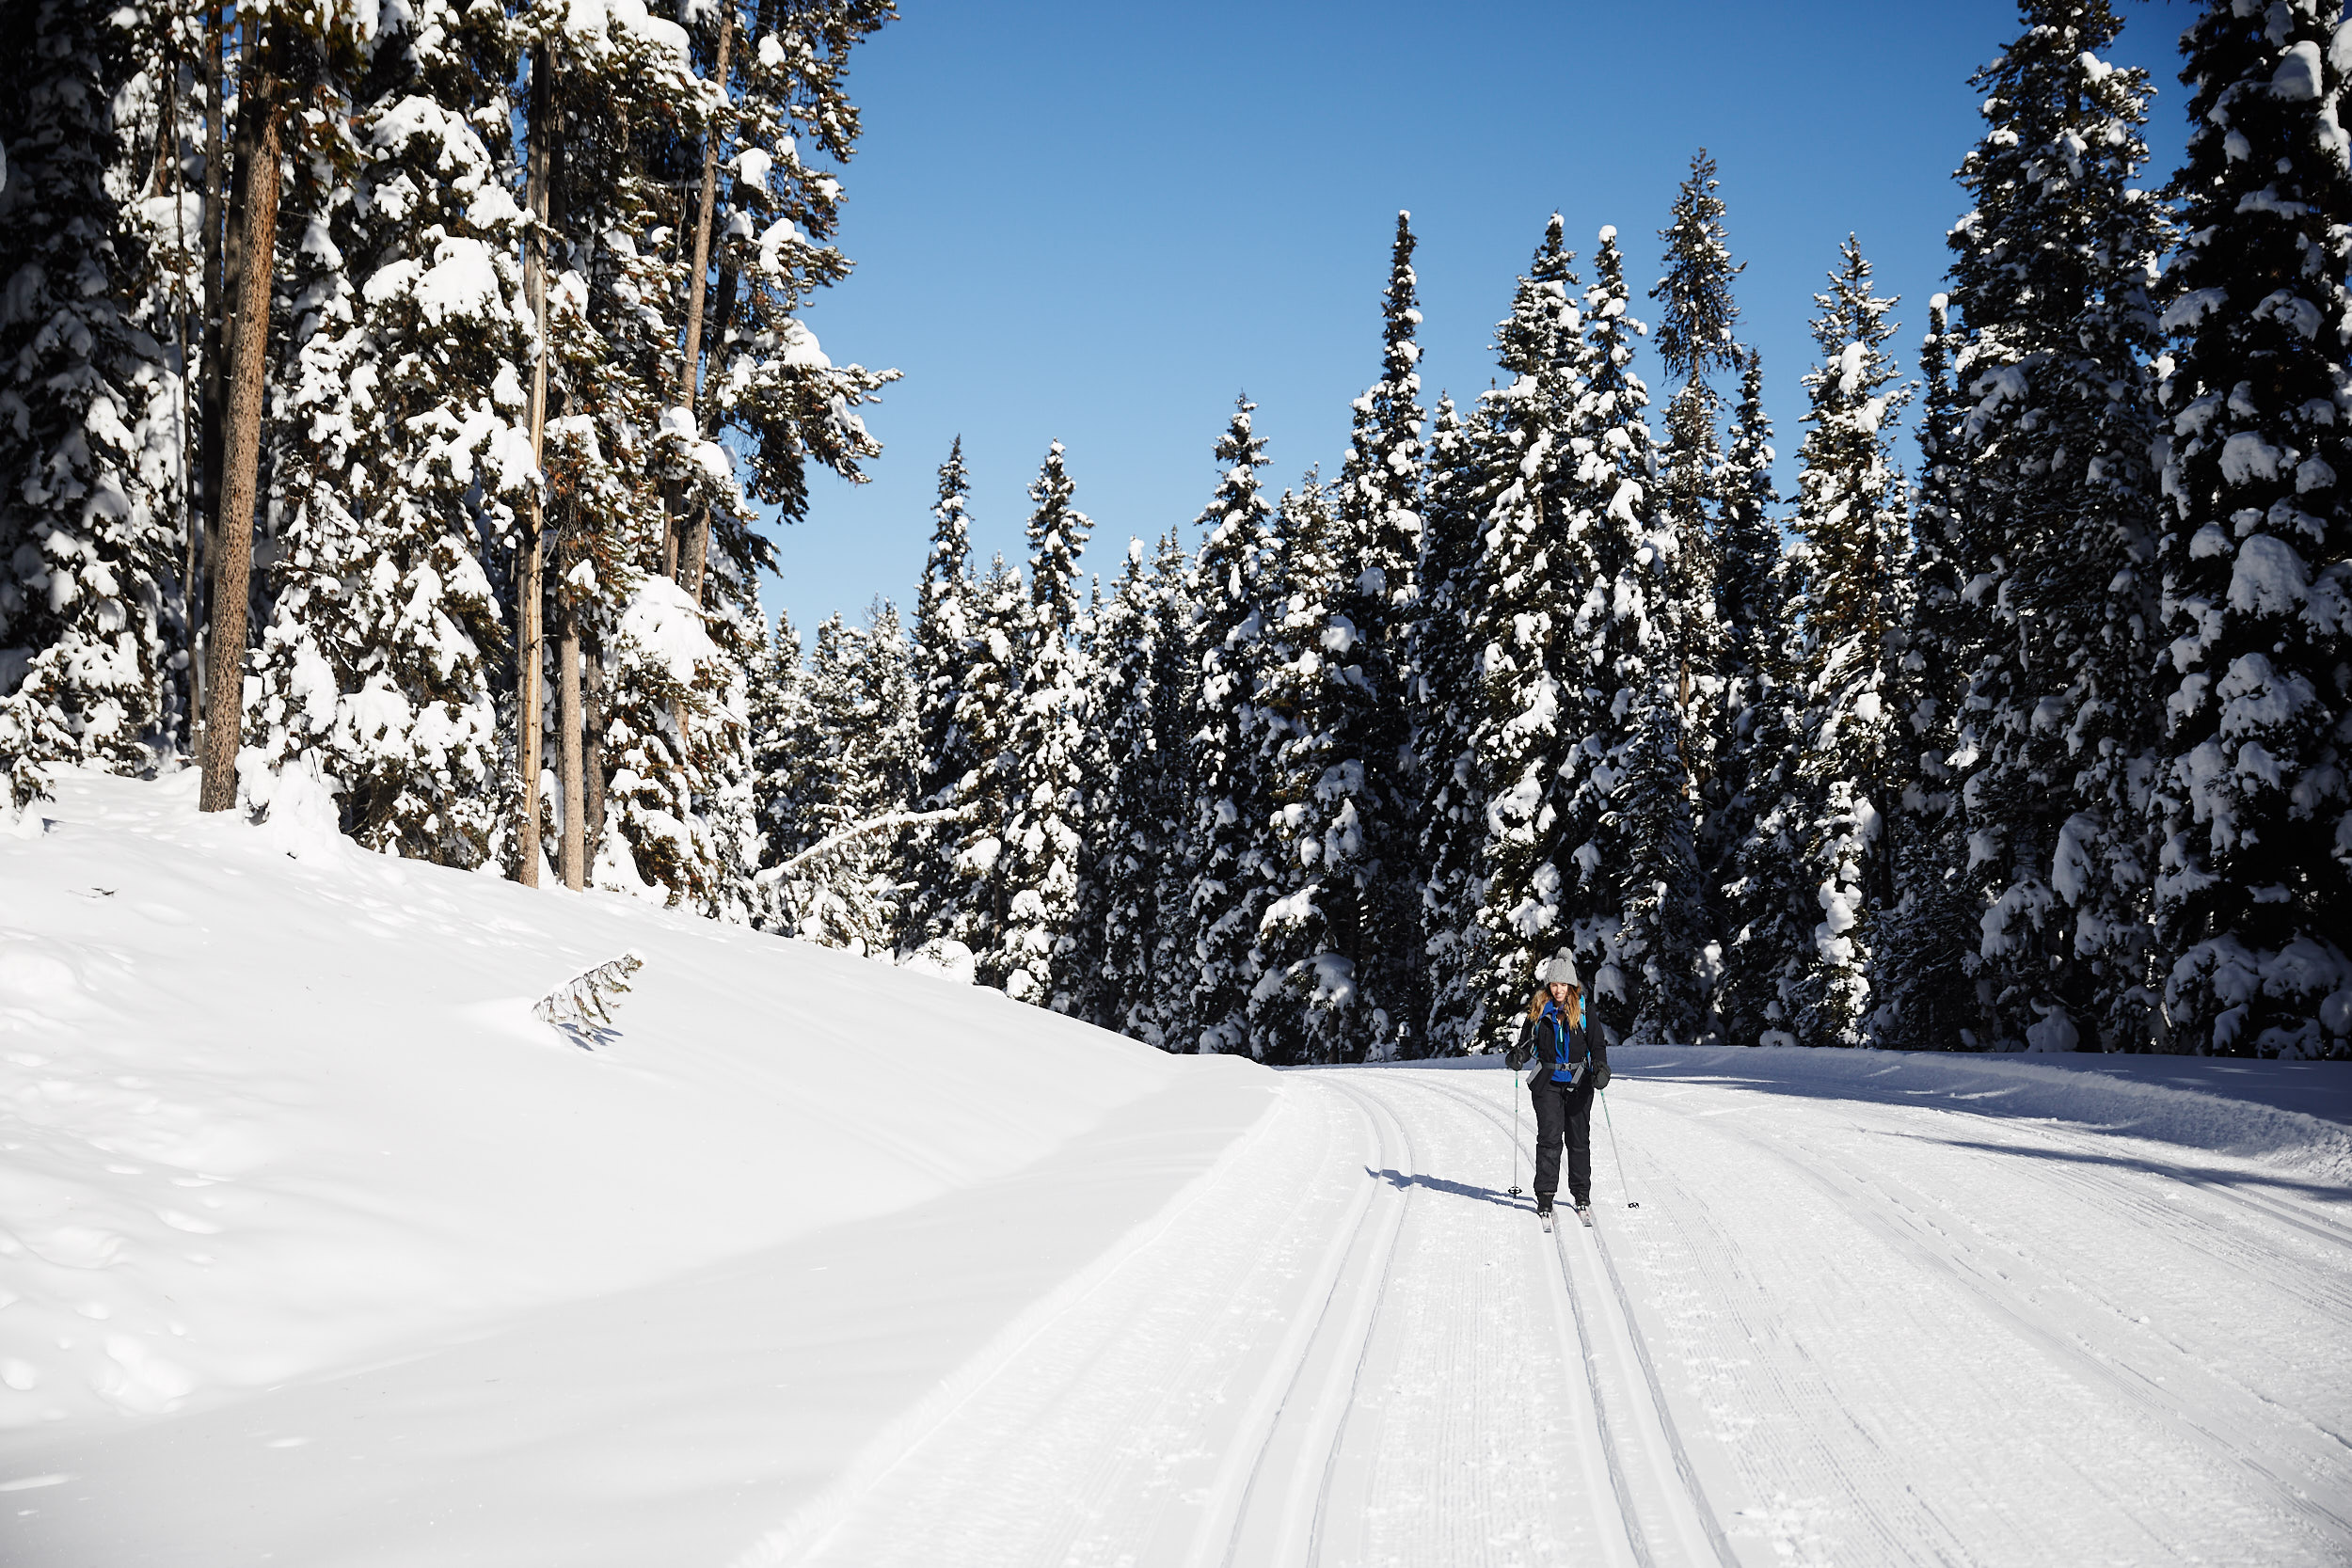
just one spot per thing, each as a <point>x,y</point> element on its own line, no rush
<point>1381,1119</point>
<point>1893,1223</point>
<point>1702,1512</point>
<point>1873,1484</point>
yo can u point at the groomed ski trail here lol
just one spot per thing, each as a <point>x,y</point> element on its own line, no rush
<point>1844,1329</point>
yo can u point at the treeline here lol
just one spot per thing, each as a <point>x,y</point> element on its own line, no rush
<point>2043,746</point>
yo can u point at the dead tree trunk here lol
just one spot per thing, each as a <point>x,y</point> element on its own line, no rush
<point>569,725</point>
<point>253,212</point>
<point>538,178</point>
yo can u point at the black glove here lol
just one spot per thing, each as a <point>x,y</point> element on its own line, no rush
<point>1600,1075</point>
<point>1516,1058</point>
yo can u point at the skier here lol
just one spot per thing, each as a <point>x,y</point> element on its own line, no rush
<point>1569,1066</point>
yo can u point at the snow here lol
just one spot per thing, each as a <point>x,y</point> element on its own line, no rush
<point>322,1250</point>
<point>292,1173</point>
<point>2299,76</point>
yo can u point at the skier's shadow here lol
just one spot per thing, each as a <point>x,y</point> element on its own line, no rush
<point>1439,1184</point>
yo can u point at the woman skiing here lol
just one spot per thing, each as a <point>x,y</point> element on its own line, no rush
<point>1570,1065</point>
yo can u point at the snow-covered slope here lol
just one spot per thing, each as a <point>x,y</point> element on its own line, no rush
<point>272,1107</point>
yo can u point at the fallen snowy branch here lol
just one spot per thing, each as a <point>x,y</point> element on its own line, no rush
<point>882,824</point>
<point>579,1008</point>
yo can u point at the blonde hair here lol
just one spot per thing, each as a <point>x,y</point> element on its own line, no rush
<point>1576,1004</point>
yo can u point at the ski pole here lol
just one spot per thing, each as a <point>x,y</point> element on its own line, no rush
<point>1614,1150</point>
<point>1515,1134</point>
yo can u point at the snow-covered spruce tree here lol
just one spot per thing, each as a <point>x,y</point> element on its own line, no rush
<point>1369,916</point>
<point>1444,662</point>
<point>634,120</point>
<point>2051,278</point>
<point>783,785</point>
<point>1770,902</point>
<point>399,466</point>
<point>1927,993</point>
<point>1697,323</point>
<point>1749,593</point>
<point>1304,1006</point>
<point>1047,808</point>
<point>1855,611</point>
<point>1104,967</point>
<point>1162,1010</point>
<point>2255,891</point>
<point>858,758</point>
<point>91,409</point>
<point>1640,911</point>
<point>971,908</point>
<point>1231,802</point>
<point>1535,591</point>
<point>767,383</point>
<point>939,657</point>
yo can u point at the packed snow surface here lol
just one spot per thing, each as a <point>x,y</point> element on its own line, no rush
<point>316,1247</point>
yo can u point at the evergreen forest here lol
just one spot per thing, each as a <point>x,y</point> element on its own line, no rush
<point>394,400</point>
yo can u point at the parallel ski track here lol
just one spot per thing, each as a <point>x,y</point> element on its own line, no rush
<point>1610,1438</point>
<point>2096,1156</point>
<point>1897,1226</point>
<point>1270,1423</point>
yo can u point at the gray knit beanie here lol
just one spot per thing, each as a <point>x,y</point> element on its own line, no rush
<point>1560,970</point>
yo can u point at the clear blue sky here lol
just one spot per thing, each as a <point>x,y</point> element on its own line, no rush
<point>1097,222</point>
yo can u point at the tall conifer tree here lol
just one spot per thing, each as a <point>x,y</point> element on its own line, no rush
<point>1855,611</point>
<point>2254,887</point>
<point>2051,281</point>
<point>1231,797</point>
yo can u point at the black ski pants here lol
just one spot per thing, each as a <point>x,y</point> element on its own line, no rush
<point>1563,1112</point>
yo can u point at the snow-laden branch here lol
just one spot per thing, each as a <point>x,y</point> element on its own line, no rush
<point>882,824</point>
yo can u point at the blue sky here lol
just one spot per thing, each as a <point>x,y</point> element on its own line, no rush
<point>1097,222</point>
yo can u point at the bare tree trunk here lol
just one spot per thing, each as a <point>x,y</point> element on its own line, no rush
<point>689,571</point>
<point>254,210</point>
<point>592,748</point>
<point>568,756</point>
<point>528,632</point>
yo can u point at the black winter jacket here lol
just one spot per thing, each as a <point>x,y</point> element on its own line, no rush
<point>1537,1042</point>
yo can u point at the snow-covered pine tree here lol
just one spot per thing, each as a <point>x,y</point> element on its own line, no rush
<point>1535,589</point>
<point>2255,889</point>
<point>1161,1011</point>
<point>1750,588</point>
<point>1370,902</point>
<point>1106,954</point>
<point>837,885</point>
<point>784,745</point>
<point>1855,611</point>
<point>1640,911</point>
<point>941,655</point>
<point>2051,281</point>
<point>1927,991</point>
<point>1770,901</point>
<point>1231,802</point>
<point>1042,827</point>
<point>90,406</point>
<point>973,907</point>
<point>767,382</point>
<point>399,466</point>
<point>1304,1007</point>
<point>1696,338</point>
<point>1451,823</point>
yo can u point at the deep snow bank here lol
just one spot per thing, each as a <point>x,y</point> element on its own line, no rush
<point>270,1104</point>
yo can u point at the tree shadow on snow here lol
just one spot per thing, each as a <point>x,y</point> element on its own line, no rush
<point>2330,1192</point>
